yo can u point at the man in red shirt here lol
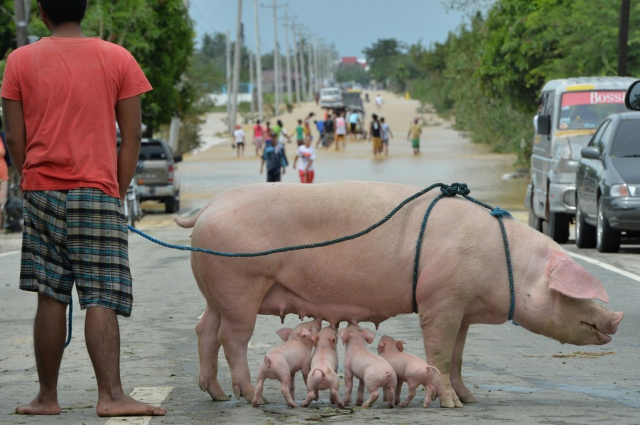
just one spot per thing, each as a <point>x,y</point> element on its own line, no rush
<point>61,97</point>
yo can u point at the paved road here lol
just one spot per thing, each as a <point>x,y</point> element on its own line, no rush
<point>517,377</point>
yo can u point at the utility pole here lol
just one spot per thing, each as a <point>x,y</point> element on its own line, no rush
<point>309,64</point>
<point>316,67</point>
<point>258,64</point>
<point>303,75</point>
<point>229,81</point>
<point>21,23</point>
<point>296,65</point>
<point>623,38</point>
<point>252,82</point>
<point>288,57</point>
<point>236,68</point>
<point>276,55</point>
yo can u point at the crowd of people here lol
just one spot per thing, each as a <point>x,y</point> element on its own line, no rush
<point>333,130</point>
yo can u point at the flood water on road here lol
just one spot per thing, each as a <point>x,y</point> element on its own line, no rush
<point>446,156</point>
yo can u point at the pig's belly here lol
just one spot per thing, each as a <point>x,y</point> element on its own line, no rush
<point>280,301</point>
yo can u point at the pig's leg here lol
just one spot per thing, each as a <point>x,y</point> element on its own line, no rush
<point>412,392</point>
<point>292,388</point>
<point>360,398</point>
<point>348,384</point>
<point>285,387</point>
<point>235,333</point>
<point>311,396</point>
<point>373,396</point>
<point>208,348</point>
<point>335,396</point>
<point>398,391</point>
<point>439,331</point>
<point>258,393</point>
<point>456,368</point>
<point>390,390</point>
<point>430,394</point>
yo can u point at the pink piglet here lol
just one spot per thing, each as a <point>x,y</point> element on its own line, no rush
<point>284,361</point>
<point>410,369</point>
<point>372,370</point>
<point>324,364</point>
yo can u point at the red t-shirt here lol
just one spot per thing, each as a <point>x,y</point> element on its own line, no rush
<point>69,88</point>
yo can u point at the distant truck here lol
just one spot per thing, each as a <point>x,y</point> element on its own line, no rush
<point>571,111</point>
<point>331,98</point>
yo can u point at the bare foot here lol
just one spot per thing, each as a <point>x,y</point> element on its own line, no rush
<point>38,407</point>
<point>126,406</point>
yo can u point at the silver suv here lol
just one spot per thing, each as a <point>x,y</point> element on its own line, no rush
<point>156,175</point>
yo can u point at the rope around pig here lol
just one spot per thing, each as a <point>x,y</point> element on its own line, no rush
<point>447,191</point>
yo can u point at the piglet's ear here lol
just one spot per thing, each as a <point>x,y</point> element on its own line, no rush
<point>284,333</point>
<point>400,345</point>
<point>344,335</point>
<point>315,339</point>
<point>305,333</point>
<point>571,279</point>
<point>380,347</point>
<point>368,336</point>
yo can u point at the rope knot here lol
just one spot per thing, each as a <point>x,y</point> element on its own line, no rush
<point>455,189</point>
<point>498,212</point>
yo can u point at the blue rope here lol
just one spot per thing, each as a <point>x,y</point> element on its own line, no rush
<point>447,191</point>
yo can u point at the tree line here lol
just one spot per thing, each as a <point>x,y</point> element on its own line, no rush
<point>489,72</point>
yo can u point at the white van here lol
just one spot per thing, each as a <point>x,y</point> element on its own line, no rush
<point>572,110</point>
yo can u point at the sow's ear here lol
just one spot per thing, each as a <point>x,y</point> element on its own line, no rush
<point>284,333</point>
<point>571,279</point>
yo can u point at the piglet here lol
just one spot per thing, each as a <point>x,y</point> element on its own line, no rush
<point>324,364</point>
<point>372,370</point>
<point>284,361</point>
<point>410,369</point>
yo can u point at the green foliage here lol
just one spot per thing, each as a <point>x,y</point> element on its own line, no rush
<point>489,72</point>
<point>382,58</point>
<point>352,72</point>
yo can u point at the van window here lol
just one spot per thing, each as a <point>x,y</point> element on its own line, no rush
<point>626,141</point>
<point>587,109</point>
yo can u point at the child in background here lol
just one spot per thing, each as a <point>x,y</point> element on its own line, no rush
<point>258,137</point>
<point>307,156</point>
<point>300,133</point>
<point>238,139</point>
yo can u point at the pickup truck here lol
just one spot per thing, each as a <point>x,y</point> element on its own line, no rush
<point>156,174</point>
<point>331,98</point>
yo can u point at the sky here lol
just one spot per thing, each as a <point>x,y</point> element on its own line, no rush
<point>351,25</point>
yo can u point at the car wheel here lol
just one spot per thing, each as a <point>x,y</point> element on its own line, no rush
<point>172,204</point>
<point>559,227</point>
<point>607,239</point>
<point>585,233</point>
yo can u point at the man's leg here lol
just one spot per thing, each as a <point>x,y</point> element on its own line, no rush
<point>49,333</point>
<point>102,334</point>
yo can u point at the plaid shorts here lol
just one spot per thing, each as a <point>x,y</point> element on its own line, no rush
<point>80,236</point>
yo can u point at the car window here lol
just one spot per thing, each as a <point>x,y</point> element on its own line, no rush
<point>151,151</point>
<point>598,135</point>
<point>606,138</point>
<point>627,140</point>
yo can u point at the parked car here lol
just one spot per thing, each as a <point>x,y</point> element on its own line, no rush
<point>157,176</point>
<point>608,184</point>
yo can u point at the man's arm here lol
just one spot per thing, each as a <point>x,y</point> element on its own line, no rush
<point>15,132</point>
<point>129,117</point>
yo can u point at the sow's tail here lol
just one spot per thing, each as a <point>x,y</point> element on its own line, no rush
<point>189,223</point>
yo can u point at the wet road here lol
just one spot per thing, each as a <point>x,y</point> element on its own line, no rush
<point>516,376</point>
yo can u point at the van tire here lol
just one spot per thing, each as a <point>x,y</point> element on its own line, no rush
<point>585,233</point>
<point>607,238</point>
<point>559,227</point>
<point>172,204</point>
